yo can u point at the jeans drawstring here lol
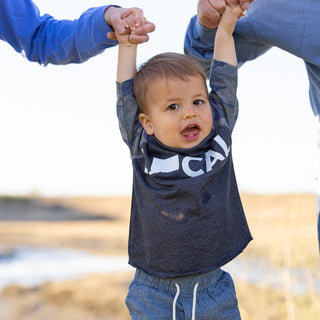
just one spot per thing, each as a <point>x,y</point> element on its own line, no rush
<point>193,302</point>
<point>175,301</point>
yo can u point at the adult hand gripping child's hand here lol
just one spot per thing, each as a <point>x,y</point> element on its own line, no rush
<point>130,23</point>
<point>229,18</point>
<point>132,20</point>
<point>210,11</point>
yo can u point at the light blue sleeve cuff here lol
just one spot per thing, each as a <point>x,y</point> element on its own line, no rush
<point>102,28</point>
<point>205,34</point>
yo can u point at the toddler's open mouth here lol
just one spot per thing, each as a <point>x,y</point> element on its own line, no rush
<point>191,131</point>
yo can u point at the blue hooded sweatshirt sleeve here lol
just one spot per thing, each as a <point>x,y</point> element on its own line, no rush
<point>46,40</point>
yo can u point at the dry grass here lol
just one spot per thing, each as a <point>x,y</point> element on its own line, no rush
<point>284,227</point>
<point>97,236</point>
<point>93,297</point>
<point>284,230</point>
<point>265,303</point>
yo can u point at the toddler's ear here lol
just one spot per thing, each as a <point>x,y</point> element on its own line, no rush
<point>146,123</point>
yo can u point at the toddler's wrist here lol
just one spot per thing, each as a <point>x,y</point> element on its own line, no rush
<point>127,45</point>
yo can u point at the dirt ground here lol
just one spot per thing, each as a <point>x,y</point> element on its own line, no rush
<point>283,227</point>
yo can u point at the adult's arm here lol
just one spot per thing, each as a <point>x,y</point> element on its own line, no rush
<point>47,40</point>
<point>199,43</point>
<point>210,11</point>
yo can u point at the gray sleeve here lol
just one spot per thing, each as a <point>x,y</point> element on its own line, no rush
<point>128,116</point>
<point>223,84</point>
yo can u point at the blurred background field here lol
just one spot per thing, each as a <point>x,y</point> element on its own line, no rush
<point>278,276</point>
<point>60,145</point>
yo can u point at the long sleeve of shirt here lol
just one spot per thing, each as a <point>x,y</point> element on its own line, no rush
<point>223,95</point>
<point>292,26</point>
<point>128,116</point>
<point>47,40</point>
<point>199,43</point>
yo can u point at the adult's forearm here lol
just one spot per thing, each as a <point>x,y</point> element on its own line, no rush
<point>66,41</point>
<point>199,43</point>
<point>48,40</point>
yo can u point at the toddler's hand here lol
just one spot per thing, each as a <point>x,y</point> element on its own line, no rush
<point>230,17</point>
<point>133,19</point>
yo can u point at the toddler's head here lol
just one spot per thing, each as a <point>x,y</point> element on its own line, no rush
<point>172,95</point>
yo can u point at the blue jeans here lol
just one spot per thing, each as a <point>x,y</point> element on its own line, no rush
<point>209,296</point>
<point>318,218</point>
<point>318,180</point>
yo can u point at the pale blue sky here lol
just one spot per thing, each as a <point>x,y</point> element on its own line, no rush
<point>59,133</point>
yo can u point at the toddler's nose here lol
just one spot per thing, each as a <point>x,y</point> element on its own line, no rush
<point>189,113</point>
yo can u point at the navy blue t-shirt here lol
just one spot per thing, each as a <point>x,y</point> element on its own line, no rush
<point>186,215</point>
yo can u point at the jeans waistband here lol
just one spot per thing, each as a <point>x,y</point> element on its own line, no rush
<point>186,283</point>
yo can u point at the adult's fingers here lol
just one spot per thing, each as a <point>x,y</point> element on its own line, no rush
<point>112,36</point>
<point>139,35</point>
<point>133,18</point>
<point>210,11</point>
<point>138,39</point>
<point>244,4</point>
<point>144,29</point>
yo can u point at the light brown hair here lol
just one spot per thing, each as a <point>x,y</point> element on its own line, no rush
<point>163,66</point>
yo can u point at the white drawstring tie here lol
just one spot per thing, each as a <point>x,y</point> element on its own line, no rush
<point>175,301</point>
<point>193,302</point>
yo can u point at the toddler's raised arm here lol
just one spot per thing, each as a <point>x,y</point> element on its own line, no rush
<point>224,48</point>
<point>133,20</point>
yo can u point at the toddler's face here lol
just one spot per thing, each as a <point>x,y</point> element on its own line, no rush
<point>178,112</point>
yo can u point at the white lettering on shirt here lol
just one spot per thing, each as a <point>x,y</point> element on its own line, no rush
<point>215,156</point>
<point>186,168</point>
<point>172,164</point>
<point>164,165</point>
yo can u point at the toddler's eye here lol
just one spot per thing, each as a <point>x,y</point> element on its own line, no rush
<point>197,102</point>
<point>173,106</point>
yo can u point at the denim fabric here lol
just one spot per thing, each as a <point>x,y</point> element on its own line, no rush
<point>318,218</point>
<point>318,179</point>
<point>151,298</point>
